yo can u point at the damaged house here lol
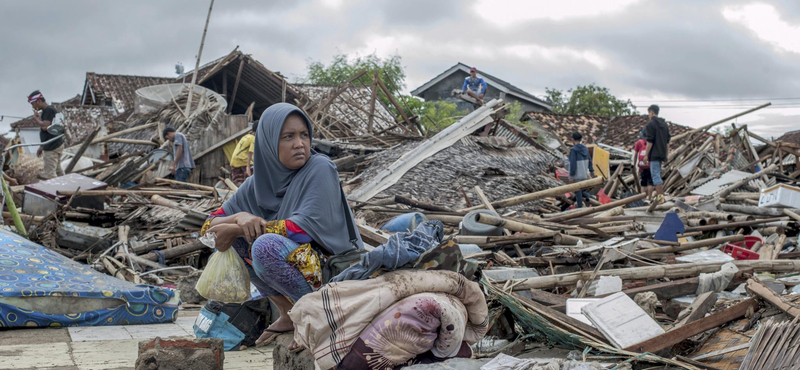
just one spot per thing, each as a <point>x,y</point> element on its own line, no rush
<point>441,87</point>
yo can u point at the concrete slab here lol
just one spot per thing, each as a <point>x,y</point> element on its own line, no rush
<point>105,355</point>
<point>186,323</point>
<point>621,320</point>
<point>574,306</point>
<point>156,330</point>
<point>98,333</point>
<point>36,356</point>
<point>249,359</point>
<point>33,336</point>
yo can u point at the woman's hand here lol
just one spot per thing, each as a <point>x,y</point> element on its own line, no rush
<point>252,226</point>
<point>226,235</point>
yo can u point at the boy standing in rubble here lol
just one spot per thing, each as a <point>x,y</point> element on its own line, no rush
<point>580,166</point>
<point>51,153</point>
<point>242,158</point>
<point>641,163</point>
<point>474,86</point>
<point>183,164</point>
<point>657,152</point>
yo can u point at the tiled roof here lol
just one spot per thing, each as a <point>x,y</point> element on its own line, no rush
<point>351,106</point>
<point>105,88</point>
<point>563,125</point>
<point>623,131</point>
<point>80,120</point>
<point>791,137</point>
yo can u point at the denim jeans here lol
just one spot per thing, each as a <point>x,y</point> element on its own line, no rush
<point>655,172</point>
<point>181,174</point>
<point>579,195</point>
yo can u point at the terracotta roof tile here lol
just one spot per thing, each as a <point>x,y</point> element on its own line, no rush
<point>791,137</point>
<point>563,125</point>
<point>623,132</point>
<point>107,88</point>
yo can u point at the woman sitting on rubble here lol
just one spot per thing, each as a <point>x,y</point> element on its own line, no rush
<point>287,217</point>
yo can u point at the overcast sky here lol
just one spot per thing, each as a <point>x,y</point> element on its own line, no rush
<point>700,60</point>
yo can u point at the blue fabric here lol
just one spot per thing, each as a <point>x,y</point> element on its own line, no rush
<point>474,85</point>
<point>579,196</point>
<point>211,325</point>
<point>580,163</point>
<point>655,172</point>
<point>182,174</point>
<point>401,248</point>
<point>670,227</point>
<point>30,270</point>
<point>405,222</point>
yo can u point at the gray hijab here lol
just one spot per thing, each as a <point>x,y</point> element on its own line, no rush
<point>310,196</point>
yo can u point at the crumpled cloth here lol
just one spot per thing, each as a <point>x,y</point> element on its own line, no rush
<point>401,248</point>
<point>329,321</point>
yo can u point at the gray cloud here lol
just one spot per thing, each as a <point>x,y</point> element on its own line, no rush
<point>679,48</point>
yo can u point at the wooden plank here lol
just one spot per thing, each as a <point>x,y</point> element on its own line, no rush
<point>761,290</point>
<point>123,132</point>
<point>698,309</point>
<point>87,141</point>
<point>547,298</point>
<point>236,85</point>
<point>678,335</point>
<point>221,143</point>
<point>373,97</point>
<point>371,237</point>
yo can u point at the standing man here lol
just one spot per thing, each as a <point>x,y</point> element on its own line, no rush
<point>51,153</point>
<point>183,164</point>
<point>474,86</point>
<point>580,166</point>
<point>641,163</point>
<point>657,152</point>
<point>242,158</point>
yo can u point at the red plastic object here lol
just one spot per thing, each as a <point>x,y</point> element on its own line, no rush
<point>602,197</point>
<point>739,253</point>
<point>749,242</point>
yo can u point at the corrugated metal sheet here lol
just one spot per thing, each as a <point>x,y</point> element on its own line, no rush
<point>721,183</point>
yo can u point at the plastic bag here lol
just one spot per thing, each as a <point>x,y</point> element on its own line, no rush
<point>225,278</point>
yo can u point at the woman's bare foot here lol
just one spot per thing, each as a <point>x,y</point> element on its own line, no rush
<point>282,325</point>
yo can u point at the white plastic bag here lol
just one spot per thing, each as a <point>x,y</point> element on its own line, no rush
<point>225,278</point>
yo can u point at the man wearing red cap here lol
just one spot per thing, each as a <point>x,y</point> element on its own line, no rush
<point>50,152</point>
<point>474,86</point>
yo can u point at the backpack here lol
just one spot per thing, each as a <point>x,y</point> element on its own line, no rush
<point>57,125</point>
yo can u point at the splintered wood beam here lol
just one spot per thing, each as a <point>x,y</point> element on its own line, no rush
<point>236,85</point>
<point>768,295</point>
<point>397,106</point>
<point>373,96</point>
<point>86,142</point>
<point>677,335</point>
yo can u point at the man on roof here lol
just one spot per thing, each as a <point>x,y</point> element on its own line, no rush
<point>474,86</point>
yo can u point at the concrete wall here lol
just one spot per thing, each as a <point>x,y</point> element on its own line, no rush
<point>29,136</point>
<point>442,90</point>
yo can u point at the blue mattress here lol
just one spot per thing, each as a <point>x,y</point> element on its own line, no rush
<point>31,270</point>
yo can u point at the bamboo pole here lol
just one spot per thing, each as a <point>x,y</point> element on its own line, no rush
<point>12,208</point>
<point>123,132</point>
<point>552,192</point>
<point>656,272</point>
<point>109,193</point>
<point>508,224</point>
<point>710,125</point>
<point>692,245</point>
<point>754,210</point>
<point>197,64</point>
<point>588,211</point>
<point>734,224</point>
<point>190,184</point>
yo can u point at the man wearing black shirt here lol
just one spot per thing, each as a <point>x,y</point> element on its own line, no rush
<point>657,152</point>
<point>50,152</point>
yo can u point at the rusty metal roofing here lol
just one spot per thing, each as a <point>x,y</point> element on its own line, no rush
<point>108,89</point>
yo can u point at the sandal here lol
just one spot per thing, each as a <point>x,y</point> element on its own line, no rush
<point>272,339</point>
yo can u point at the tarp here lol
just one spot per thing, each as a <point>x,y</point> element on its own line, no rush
<point>39,280</point>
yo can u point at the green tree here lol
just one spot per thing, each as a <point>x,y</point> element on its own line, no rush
<point>589,99</point>
<point>434,116</point>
